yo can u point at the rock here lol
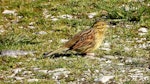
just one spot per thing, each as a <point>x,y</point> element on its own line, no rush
<point>91,15</point>
<point>8,12</point>
<point>43,71</point>
<point>42,33</point>
<point>63,40</point>
<point>66,16</point>
<point>15,53</point>
<point>106,49</point>
<point>142,31</point>
<point>17,70</point>
<point>104,79</point>
<point>33,80</point>
<point>53,18</point>
<point>110,57</point>
<point>19,78</point>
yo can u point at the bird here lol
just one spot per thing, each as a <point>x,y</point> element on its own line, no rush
<point>86,41</point>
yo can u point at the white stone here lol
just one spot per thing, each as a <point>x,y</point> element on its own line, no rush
<point>32,80</point>
<point>19,78</point>
<point>106,49</point>
<point>35,69</point>
<point>120,64</point>
<point>50,41</point>
<point>17,70</point>
<point>105,79</point>
<point>91,15</point>
<point>31,27</point>
<point>31,23</point>
<point>110,57</point>
<point>54,19</point>
<point>63,40</point>
<point>66,16</point>
<point>8,12</point>
<point>142,31</point>
<point>13,75</point>
<point>15,53</point>
<point>127,8</point>
<point>106,44</point>
<point>127,49</point>
<point>27,72</point>
<point>2,30</point>
<point>43,71</point>
<point>42,33</point>
<point>97,71</point>
<point>108,61</point>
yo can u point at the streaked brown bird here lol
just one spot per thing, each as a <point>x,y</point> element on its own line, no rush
<point>86,41</point>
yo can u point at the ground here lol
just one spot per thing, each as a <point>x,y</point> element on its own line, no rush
<point>29,28</point>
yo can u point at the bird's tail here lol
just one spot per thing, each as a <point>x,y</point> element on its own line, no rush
<point>47,54</point>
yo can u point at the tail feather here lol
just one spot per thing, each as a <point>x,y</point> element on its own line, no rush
<point>47,54</point>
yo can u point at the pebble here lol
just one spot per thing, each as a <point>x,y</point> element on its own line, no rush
<point>63,40</point>
<point>42,33</point>
<point>110,57</point>
<point>66,16</point>
<point>142,31</point>
<point>17,70</point>
<point>91,15</point>
<point>19,78</point>
<point>8,12</point>
<point>15,53</point>
<point>33,80</point>
<point>54,19</point>
<point>104,79</point>
<point>43,71</point>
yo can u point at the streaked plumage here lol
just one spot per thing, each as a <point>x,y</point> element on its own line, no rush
<point>85,41</point>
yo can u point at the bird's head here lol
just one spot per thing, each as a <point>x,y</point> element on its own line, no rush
<point>100,26</point>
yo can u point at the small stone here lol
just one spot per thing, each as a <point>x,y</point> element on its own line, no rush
<point>19,78</point>
<point>66,16</point>
<point>33,80</point>
<point>142,31</point>
<point>106,44</point>
<point>127,49</point>
<point>97,71</point>
<point>35,69</point>
<point>63,40</point>
<point>104,79</point>
<point>106,49</point>
<point>120,64</point>
<point>91,15</point>
<point>90,54</point>
<point>27,72</point>
<point>43,71</point>
<point>110,57</point>
<point>17,70</point>
<point>8,12</point>
<point>108,61</point>
<point>42,32</point>
<point>50,41</point>
<point>15,53</point>
<point>53,18</point>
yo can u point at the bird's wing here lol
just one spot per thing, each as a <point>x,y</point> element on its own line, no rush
<point>82,40</point>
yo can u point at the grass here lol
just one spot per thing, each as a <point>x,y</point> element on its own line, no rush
<point>19,35</point>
